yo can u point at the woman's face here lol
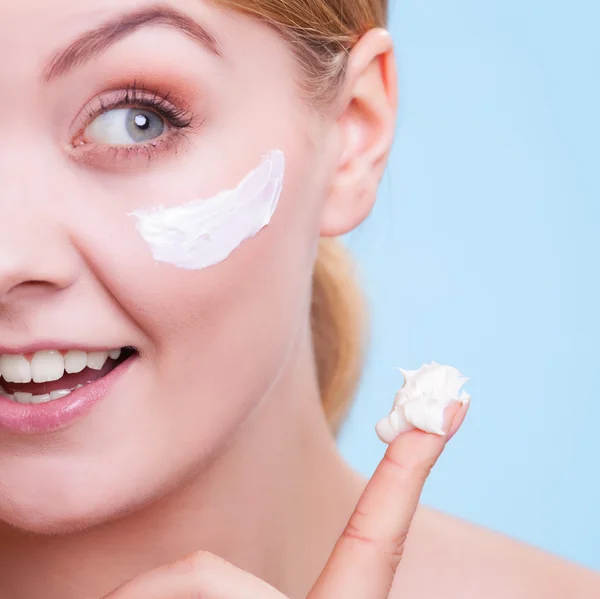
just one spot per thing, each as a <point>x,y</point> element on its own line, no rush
<point>108,107</point>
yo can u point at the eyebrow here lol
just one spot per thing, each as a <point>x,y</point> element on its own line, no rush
<point>98,40</point>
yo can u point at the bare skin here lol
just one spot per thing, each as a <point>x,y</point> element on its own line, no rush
<point>215,439</point>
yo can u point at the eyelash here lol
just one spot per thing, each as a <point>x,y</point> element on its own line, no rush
<point>179,119</point>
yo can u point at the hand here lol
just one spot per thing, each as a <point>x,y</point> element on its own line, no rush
<point>366,557</point>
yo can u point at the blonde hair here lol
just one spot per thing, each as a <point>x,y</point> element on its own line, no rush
<point>321,33</point>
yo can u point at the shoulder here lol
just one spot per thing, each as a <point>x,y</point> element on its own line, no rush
<point>448,557</point>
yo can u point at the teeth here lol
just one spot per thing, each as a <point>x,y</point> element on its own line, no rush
<point>23,397</point>
<point>28,398</point>
<point>37,399</point>
<point>59,394</point>
<point>97,360</point>
<point>47,366</point>
<point>50,365</point>
<point>75,361</point>
<point>15,369</point>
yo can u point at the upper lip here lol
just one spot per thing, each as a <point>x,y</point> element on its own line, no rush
<point>56,346</point>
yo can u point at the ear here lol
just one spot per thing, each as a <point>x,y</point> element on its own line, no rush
<point>365,129</point>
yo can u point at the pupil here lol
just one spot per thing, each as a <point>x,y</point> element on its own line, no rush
<point>143,125</point>
<point>142,121</point>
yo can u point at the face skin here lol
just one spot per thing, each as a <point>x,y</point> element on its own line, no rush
<point>219,415</point>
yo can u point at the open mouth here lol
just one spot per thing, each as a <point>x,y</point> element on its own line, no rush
<point>49,375</point>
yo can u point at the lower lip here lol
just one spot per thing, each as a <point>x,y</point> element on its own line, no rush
<point>31,419</point>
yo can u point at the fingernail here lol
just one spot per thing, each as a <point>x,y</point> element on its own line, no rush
<point>450,416</point>
<point>455,414</point>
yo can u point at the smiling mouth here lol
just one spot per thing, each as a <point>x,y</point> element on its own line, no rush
<point>50,375</point>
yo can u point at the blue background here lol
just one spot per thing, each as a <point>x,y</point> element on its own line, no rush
<point>482,253</point>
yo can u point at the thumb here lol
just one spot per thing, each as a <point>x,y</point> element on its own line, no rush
<point>201,574</point>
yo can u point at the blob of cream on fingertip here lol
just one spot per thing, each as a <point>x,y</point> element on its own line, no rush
<point>422,402</point>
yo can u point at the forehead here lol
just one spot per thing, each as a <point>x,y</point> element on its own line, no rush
<point>40,27</point>
<point>35,32</point>
<point>68,13</point>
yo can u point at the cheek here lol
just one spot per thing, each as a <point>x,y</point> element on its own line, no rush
<point>206,316</point>
<point>188,315</point>
<point>229,324</point>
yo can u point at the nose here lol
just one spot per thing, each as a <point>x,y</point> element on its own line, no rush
<point>36,256</point>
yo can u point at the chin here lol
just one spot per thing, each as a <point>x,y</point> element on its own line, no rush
<point>68,513</point>
<point>50,522</point>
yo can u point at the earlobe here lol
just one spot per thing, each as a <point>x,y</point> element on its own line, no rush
<point>365,128</point>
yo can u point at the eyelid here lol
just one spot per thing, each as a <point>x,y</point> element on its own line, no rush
<point>177,112</point>
<point>129,158</point>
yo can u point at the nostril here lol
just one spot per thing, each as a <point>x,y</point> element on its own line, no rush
<point>35,284</point>
<point>26,289</point>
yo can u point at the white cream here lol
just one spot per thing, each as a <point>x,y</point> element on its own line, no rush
<point>203,233</point>
<point>422,400</point>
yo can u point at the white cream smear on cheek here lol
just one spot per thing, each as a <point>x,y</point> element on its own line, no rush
<point>422,401</point>
<point>205,232</point>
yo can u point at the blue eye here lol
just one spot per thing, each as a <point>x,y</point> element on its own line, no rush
<point>126,126</point>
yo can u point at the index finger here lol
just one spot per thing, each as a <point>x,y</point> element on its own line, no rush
<point>366,556</point>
